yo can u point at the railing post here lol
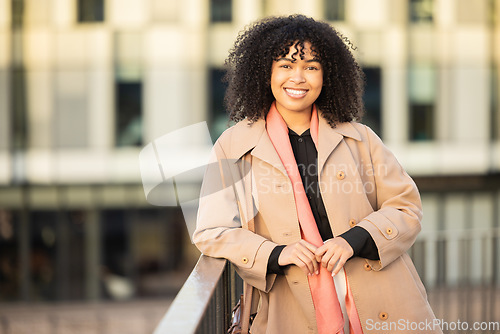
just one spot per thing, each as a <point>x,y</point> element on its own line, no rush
<point>205,301</point>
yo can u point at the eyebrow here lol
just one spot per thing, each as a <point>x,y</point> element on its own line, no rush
<point>314,60</point>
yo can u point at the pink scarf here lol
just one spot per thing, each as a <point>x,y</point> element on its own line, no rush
<point>328,312</point>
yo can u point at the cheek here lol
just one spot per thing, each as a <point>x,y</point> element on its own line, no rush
<point>318,85</point>
<point>319,79</point>
<point>276,81</point>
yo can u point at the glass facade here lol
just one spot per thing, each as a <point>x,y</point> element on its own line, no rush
<point>221,11</point>
<point>421,11</point>
<point>128,113</point>
<point>128,88</point>
<point>494,105</point>
<point>90,11</point>
<point>422,97</point>
<point>10,259</point>
<point>373,98</point>
<point>49,254</point>
<point>334,10</point>
<point>218,115</point>
<point>18,112</point>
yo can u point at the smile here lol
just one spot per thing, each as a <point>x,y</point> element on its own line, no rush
<point>296,93</point>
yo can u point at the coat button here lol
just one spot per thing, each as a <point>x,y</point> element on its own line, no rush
<point>244,260</point>
<point>352,222</point>
<point>367,267</point>
<point>383,315</point>
<point>389,230</point>
<point>341,175</point>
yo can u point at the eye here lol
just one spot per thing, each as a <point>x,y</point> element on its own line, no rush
<point>285,66</point>
<point>313,68</point>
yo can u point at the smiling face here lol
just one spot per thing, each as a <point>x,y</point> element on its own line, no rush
<point>296,83</point>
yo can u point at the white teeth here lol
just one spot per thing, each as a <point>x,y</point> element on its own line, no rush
<point>295,91</point>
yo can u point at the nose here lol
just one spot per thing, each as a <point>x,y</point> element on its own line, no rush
<point>298,76</point>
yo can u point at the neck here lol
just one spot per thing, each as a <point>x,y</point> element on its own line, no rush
<point>297,121</point>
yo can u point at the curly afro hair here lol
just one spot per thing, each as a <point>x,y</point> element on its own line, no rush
<point>248,68</point>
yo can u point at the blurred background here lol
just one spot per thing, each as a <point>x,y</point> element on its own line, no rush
<point>85,84</point>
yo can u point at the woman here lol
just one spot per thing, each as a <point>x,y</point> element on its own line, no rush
<point>330,198</point>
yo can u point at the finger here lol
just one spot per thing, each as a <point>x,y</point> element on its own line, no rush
<point>320,252</point>
<point>334,259</point>
<point>307,262</point>
<point>309,246</point>
<point>311,255</point>
<point>315,264</point>
<point>302,266</point>
<point>328,245</point>
<point>295,258</point>
<point>327,257</point>
<point>339,265</point>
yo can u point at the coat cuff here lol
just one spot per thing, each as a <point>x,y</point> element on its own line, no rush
<point>384,232</point>
<point>257,276</point>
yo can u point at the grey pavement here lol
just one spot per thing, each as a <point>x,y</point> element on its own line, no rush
<point>132,317</point>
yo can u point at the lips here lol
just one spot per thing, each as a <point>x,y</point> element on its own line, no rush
<point>295,93</point>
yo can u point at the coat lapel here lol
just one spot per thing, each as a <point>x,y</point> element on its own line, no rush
<point>329,138</point>
<point>265,151</point>
<point>254,137</point>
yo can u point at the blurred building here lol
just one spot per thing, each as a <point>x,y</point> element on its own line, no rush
<point>85,84</point>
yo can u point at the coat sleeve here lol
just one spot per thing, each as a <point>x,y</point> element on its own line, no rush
<point>218,230</point>
<point>396,222</point>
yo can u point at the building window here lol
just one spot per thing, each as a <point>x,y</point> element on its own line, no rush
<point>422,97</point>
<point>18,108</point>
<point>90,11</point>
<point>18,104</point>
<point>494,105</point>
<point>10,270</point>
<point>421,10</point>
<point>421,121</point>
<point>334,10</point>
<point>372,98</point>
<point>116,257</point>
<point>43,254</point>
<point>221,10</point>
<point>128,113</point>
<point>128,88</point>
<point>218,117</point>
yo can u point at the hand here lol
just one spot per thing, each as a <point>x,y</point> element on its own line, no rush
<point>302,254</point>
<point>336,250</point>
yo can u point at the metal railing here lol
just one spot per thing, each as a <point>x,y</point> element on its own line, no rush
<point>461,271</point>
<point>463,286</point>
<point>204,303</point>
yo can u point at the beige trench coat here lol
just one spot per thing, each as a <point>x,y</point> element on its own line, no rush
<point>362,184</point>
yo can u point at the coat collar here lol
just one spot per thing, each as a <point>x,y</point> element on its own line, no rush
<point>253,137</point>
